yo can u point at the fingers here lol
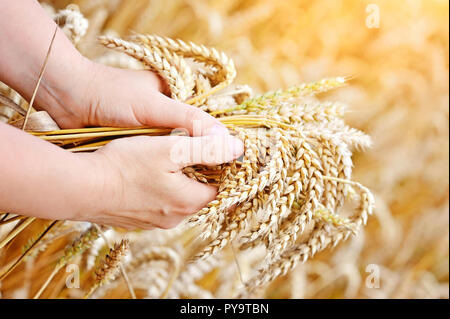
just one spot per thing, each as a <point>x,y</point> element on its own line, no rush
<point>178,152</point>
<point>191,196</point>
<point>206,150</point>
<point>171,113</point>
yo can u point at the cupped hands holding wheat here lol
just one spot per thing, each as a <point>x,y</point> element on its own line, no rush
<point>76,93</point>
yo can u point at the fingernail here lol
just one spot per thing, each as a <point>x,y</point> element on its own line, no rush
<point>236,146</point>
<point>218,129</point>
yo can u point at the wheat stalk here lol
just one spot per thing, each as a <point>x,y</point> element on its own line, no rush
<point>78,246</point>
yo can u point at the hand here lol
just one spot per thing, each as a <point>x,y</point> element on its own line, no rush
<point>75,91</point>
<point>106,96</point>
<point>144,186</point>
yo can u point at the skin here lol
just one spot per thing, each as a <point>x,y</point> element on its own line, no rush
<point>132,182</point>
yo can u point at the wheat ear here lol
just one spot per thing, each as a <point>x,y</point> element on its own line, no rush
<point>109,266</point>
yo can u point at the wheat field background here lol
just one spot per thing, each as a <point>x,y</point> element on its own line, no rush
<point>397,53</point>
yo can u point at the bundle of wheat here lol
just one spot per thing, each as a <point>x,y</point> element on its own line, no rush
<point>294,176</point>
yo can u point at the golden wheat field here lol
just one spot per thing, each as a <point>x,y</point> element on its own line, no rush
<point>394,59</point>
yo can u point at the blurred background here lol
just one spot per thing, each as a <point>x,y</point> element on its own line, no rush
<point>398,55</point>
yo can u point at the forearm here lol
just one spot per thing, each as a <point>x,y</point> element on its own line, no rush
<point>26,32</point>
<point>42,180</point>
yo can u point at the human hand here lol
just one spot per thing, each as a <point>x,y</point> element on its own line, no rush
<point>107,96</point>
<point>75,91</point>
<point>143,183</point>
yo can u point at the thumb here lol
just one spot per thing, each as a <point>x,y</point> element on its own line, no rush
<point>175,114</point>
<point>206,150</point>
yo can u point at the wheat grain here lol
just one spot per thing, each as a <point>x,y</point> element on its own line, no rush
<point>72,22</point>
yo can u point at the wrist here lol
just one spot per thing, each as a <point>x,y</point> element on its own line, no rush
<point>98,196</point>
<point>64,93</point>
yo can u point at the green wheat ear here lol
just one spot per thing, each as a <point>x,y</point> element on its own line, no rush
<point>78,246</point>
